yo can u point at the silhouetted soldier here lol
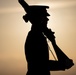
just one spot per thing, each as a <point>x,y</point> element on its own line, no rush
<point>36,47</point>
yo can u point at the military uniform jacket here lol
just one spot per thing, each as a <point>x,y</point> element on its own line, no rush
<point>37,54</point>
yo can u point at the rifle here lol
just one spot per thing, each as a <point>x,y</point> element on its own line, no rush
<point>64,62</point>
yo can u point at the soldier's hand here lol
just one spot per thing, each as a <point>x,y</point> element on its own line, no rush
<point>51,36</point>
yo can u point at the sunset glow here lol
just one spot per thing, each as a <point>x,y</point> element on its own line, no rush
<point>13,32</point>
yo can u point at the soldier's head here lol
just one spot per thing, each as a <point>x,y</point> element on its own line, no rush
<point>36,14</point>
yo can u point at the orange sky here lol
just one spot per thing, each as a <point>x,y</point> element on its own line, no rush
<point>13,32</point>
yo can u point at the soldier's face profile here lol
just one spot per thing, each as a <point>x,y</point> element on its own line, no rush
<point>44,20</point>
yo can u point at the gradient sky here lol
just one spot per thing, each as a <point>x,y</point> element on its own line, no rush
<point>13,32</point>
